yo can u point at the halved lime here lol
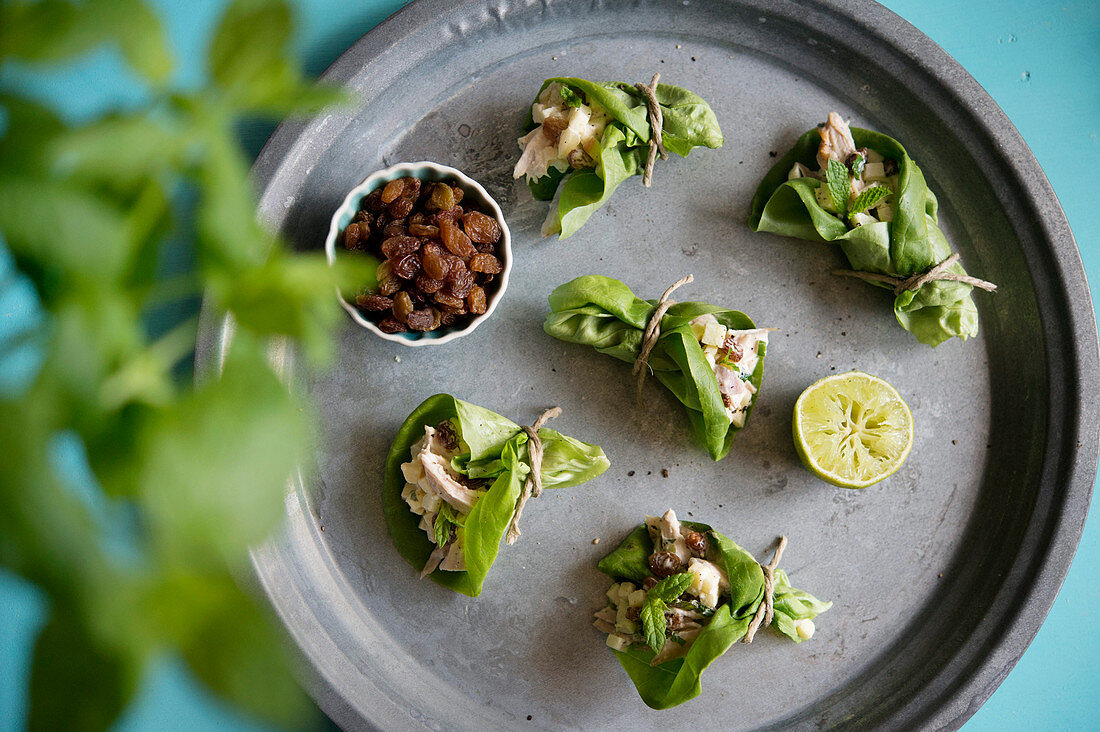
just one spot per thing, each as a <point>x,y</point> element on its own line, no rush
<point>852,430</point>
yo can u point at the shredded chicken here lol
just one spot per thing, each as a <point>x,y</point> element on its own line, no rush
<point>836,141</point>
<point>838,144</point>
<point>667,536</point>
<point>431,483</point>
<point>733,354</point>
<point>567,137</point>
<point>440,481</point>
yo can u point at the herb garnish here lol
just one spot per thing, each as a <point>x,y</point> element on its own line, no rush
<point>840,185</point>
<point>447,520</point>
<point>868,198</point>
<point>654,624</point>
<point>571,96</point>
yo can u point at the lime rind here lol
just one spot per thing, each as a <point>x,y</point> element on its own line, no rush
<point>852,430</point>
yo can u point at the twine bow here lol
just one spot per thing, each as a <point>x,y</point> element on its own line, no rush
<point>915,282</point>
<point>763,616</point>
<point>533,487</point>
<point>653,332</point>
<point>656,127</point>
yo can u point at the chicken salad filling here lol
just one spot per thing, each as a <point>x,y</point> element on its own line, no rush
<point>866,170</point>
<point>568,133</point>
<point>733,355</point>
<point>671,607</point>
<point>440,495</point>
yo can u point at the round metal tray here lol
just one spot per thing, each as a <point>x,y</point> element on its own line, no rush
<point>940,576</point>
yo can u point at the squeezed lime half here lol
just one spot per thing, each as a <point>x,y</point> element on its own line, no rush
<point>852,430</point>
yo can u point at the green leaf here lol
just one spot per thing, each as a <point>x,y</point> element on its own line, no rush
<point>604,313</point>
<point>671,587</point>
<point>91,154</point>
<point>55,256</point>
<point>54,30</point>
<point>31,128</point>
<point>868,198</point>
<point>840,185</point>
<point>238,654</point>
<point>139,33</point>
<point>545,187</point>
<point>499,447</point>
<point>630,560</point>
<point>229,236</point>
<point>250,59</point>
<point>76,685</point>
<point>444,524</point>
<point>214,468</point>
<point>911,243</point>
<point>689,122</point>
<point>571,97</point>
<point>567,462</point>
<point>293,296</point>
<point>586,191</point>
<point>791,605</point>
<point>676,681</point>
<point>248,46</point>
<point>654,624</point>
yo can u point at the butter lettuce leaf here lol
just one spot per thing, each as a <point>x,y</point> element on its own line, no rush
<point>604,313</point>
<point>911,243</point>
<point>679,680</point>
<point>688,122</point>
<point>496,449</point>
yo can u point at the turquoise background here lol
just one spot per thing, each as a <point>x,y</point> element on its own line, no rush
<point>1039,60</point>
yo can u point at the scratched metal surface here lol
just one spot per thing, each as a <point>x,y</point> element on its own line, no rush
<point>939,576</point>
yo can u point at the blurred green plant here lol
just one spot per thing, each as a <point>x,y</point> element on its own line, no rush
<point>198,471</point>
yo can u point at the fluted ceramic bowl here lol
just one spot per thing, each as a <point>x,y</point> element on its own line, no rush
<point>472,191</point>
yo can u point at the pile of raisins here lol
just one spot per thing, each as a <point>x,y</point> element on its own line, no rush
<point>440,260</point>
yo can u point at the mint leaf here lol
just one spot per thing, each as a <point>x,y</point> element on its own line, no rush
<point>671,587</point>
<point>213,470</point>
<point>97,684</point>
<point>233,653</point>
<point>656,602</point>
<point>836,176</point>
<point>571,97</point>
<point>250,59</point>
<point>868,198</point>
<point>445,521</point>
<point>55,30</point>
<point>654,624</point>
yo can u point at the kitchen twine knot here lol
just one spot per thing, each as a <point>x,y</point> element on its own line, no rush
<point>532,488</point>
<point>653,332</point>
<point>763,616</point>
<point>915,282</point>
<point>656,127</point>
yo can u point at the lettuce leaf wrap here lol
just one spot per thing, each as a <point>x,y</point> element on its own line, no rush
<point>595,135</point>
<point>492,452</point>
<point>908,242</point>
<point>604,313</point>
<point>668,683</point>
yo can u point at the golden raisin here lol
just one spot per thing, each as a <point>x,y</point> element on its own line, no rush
<point>432,261</point>
<point>442,197</point>
<point>455,240</point>
<point>374,303</point>
<point>486,263</point>
<point>481,228</point>
<point>393,190</point>
<point>475,301</point>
